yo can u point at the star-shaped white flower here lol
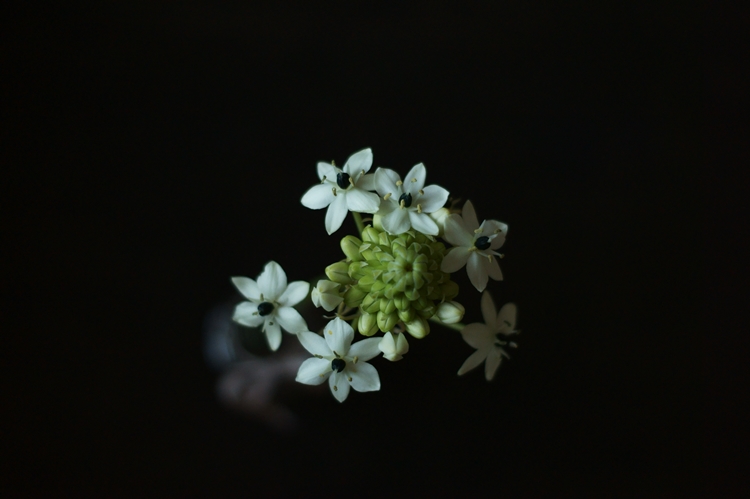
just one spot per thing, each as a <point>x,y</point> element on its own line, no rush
<point>474,246</point>
<point>408,203</point>
<point>344,190</point>
<point>484,338</point>
<point>270,303</point>
<point>338,361</point>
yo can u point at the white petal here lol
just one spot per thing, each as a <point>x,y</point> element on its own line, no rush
<point>433,199</point>
<point>506,319</point>
<point>338,335</point>
<point>365,349</point>
<point>493,362</point>
<point>397,221</point>
<point>272,281</point>
<point>315,344</point>
<point>318,196</point>
<point>290,319</point>
<point>455,259</point>
<point>248,287</point>
<point>457,233</point>
<point>310,371</point>
<point>336,213</point>
<point>489,311</point>
<point>339,385</point>
<point>414,180</point>
<point>476,270</point>
<point>494,269</point>
<point>470,216</point>
<point>365,377</point>
<point>362,201</point>
<point>246,313</point>
<point>273,333</point>
<point>366,182</point>
<point>294,293</point>
<point>359,161</point>
<point>327,170</point>
<point>478,335</point>
<point>423,223</point>
<point>473,361</point>
<point>491,227</point>
<point>385,181</point>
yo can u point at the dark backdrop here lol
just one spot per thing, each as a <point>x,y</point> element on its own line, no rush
<point>154,150</point>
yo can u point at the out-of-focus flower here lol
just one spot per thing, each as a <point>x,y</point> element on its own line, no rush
<point>484,338</point>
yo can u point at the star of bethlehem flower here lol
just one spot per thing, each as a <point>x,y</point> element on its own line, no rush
<point>484,338</point>
<point>474,246</point>
<point>344,189</point>
<point>270,302</point>
<point>407,204</point>
<point>335,359</point>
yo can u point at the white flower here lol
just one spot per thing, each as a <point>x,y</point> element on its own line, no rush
<point>270,303</point>
<point>338,361</point>
<point>408,203</point>
<point>326,295</point>
<point>344,190</point>
<point>450,312</point>
<point>484,338</point>
<point>474,246</point>
<point>394,346</point>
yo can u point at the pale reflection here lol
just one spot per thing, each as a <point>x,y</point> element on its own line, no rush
<point>250,383</point>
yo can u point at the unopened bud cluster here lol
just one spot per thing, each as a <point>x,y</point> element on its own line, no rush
<point>395,279</point>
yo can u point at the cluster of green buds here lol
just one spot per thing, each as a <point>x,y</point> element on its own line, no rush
<point>394,282</point>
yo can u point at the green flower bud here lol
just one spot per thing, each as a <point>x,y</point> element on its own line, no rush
<point>350,246</point>
<point>450,312</point>
<point>354,296</point>
<point>370,235</point>
<point>339,272</point>
<point>387,321</point>
<point>387,306</point>
<point>419,327</point>
<point>355,270</point>
<point>407,315</point>
<point>367,324</point>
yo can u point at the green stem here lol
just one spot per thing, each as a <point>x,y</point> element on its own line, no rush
<point>456,327</point>
<point>358,221</point>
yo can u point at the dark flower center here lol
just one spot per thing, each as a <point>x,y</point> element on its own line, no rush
<point>265,308</point>
<point>342,179</point>
<point>338,365</point>
<point>482,243</point>
<point>406,198</point>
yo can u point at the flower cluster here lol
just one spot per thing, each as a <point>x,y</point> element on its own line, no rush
<point>394,277</point>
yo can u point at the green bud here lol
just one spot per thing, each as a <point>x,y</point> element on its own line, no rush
<point>407,315</point>
<point>354,296</point>
<point>370,235</point>
<point>370,303</point>
<point>356,270</point>
<point>367,324</point>
<point>350,246</point>
<point>419,327</point>
<point>339,272</point>
<point>387,321</point>
<point>450,312</point>
<point>387,306</point>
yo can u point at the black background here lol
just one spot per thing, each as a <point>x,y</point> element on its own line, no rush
<point>153,150</point>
